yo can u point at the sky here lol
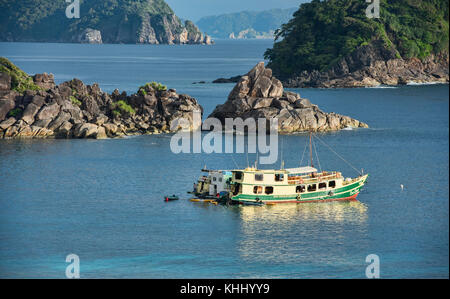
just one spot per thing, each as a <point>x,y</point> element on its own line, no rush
<point>195,9</point>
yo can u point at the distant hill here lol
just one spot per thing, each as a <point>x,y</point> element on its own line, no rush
<point>107,21</point>
<point>333,43</point>
<point>246,24</point>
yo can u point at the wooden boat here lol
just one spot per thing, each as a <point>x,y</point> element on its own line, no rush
<point>294,185</point>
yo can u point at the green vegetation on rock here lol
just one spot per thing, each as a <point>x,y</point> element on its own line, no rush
<point>122,108</point>
<point>156,86</point>
<point>15,112</point>
<point>75,101</point>
<point>20,81</point>
<point>323,32</point>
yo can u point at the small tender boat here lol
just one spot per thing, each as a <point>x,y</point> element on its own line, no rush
<point>171,198</point>
<point>212,201</point>
<point>253,186</point>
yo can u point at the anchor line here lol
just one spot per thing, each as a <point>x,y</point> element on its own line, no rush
<point>342,158</point>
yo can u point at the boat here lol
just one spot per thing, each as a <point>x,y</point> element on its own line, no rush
<point>293,185</point>
<point>212,184</point>
<point>211,201</point>
<point>171,198</point>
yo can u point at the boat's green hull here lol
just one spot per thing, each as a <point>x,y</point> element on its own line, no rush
<point>348,192</point>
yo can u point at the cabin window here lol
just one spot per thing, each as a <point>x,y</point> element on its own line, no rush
<point>312,188</point>
<point>214,179</point>
<point>220,179</point>
<point>300,189</point>
<point>279,177</point>
<point>257,189</point>
<point>332,184</point>
<point>259,177</point>
<point>269,190</point>
<point>322,185</point>
<point>238,175</point>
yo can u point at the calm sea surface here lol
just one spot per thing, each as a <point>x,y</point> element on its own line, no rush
<point>103,200</point>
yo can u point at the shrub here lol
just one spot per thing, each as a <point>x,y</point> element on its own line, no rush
<point>75,101</point>
<point>122,108</point>
<point>14,112</point>
<point>157,86</point>
<point>20,81</point>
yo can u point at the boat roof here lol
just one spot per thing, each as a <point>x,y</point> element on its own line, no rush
<point>306,169</point>
<point>299,170</point>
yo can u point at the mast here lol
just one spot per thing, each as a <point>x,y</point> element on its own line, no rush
<point>310,148</point>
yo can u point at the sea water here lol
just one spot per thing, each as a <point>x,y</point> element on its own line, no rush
<point>103,199</point>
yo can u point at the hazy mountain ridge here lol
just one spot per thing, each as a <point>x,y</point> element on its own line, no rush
<point>246,24</point>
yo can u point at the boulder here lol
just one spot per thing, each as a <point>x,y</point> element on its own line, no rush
<point>101,133</point>
<point>7,103</point>
<point>5,81</point>
<point>7,123</point>
<point>59,120</point>
<point>48,112</point>
<point>302,103</point>
<point>32,108</point>
<point>44,80</point>
<point>86,130</point>
<point>64,131</point>
<point>111,129</point>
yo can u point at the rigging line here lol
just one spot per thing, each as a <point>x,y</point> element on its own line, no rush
<point>281,162</point>
<point>237,166</point>
<point>317,156</point>
<point>248,163</point>
<point>257,158</point>
<point>348,163</point>
<point>304,151</point>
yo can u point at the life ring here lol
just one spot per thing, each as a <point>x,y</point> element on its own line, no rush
<point>257,199</point>
<point>331,193</point>
<point>299,197</point>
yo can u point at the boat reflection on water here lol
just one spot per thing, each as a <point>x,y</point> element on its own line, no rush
<point>354,211</point>
<point>310,234</point>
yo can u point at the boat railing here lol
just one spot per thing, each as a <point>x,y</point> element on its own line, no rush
<point>323,176</point>
<point>347,182</point>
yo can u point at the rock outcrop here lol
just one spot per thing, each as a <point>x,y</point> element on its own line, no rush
<point>374,65</point>
<point>90,36</point>
<point>234,79</point>
<point>260,95</point>
<point>75,110</point>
